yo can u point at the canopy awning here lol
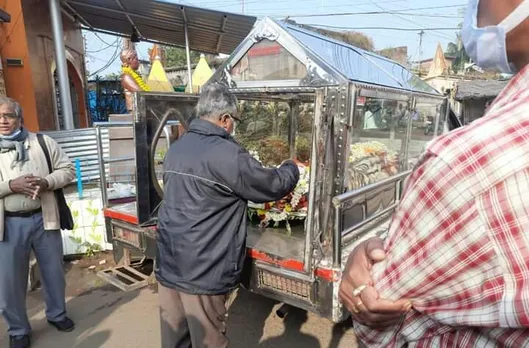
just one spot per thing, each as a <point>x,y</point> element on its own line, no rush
<point>163,22</point>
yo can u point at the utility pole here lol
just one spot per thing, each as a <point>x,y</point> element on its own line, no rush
<point>242,6</point>
<point>421,34</point>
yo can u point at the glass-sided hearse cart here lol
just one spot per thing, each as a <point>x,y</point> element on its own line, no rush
<point>358,121</point>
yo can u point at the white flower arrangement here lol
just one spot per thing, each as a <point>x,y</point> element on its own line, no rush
<point>255,154</point>
<point>370,162</point>
<point>291,210</point>
<point>361,150</point>
<point>302,187</point>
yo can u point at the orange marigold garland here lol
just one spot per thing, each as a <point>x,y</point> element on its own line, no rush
<point>136,77</point>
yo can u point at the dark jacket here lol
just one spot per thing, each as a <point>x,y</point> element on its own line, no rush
<point>208,179</point>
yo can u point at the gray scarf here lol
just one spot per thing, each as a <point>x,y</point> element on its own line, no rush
<point>16,143</point>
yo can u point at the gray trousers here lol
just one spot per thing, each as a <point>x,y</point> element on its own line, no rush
<point>193,321</point>
<point>21,235</point>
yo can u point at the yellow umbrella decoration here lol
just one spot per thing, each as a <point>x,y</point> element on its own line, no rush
<point>201,74</point>
<point>158,80</point>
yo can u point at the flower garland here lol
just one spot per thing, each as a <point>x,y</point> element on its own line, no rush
<point>292,207</point>
<point>370,148</point>
<point>370,162</point>
<point>136,77</point>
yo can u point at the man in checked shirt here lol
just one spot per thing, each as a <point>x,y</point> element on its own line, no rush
<point>454,270</point>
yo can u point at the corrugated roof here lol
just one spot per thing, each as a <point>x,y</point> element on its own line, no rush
<point>356,64</point>
<point>163,22</point>
<point>479,89</point>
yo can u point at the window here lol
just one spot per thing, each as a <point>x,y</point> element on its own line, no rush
<point>378,140</point>
<point>268,60</point>
<point>427,115</point>
<point>265,131</point>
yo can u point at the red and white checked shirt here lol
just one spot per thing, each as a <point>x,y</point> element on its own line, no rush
<point>458,245</point>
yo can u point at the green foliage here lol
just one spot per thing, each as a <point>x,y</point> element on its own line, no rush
<point>90,248</point>
<point>303,148</point>
<point>265,126</point>
<point>351,37</point>
<point>112,77</point>
<point>160,155</point>
<point>457,49</point>
<point>77,240</point>
<point>93,211</point>
<point>176,56</point>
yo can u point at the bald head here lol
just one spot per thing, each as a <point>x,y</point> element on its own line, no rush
<point>493,12</point>
<point>129,58</point>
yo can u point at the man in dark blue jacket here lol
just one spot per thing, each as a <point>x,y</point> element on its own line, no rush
<point>208,180</point>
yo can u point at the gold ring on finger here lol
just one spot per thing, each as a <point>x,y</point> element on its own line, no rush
<point>355,310</point>
<point>359,305</point>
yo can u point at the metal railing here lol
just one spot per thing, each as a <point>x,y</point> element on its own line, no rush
<point>102,128</point>
<point>358,196</point>
<point>99,126</point>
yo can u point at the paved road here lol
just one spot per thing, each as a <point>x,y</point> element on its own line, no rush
<point>110,318</point>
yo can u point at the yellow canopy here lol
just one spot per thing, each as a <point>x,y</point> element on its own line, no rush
<point>201,74</point>
<point>158,80</point>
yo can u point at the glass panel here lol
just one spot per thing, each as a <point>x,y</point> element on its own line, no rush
<point>378,139</point>
<point>443,126</point>
<point>268,60</point>
<point>359,65</point>
<point>424,117</point>
<point>265,133</point>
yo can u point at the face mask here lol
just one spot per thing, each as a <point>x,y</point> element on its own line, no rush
<point>234,126</point>
<point>233,131</point>
<point>12,136</point>
<point>487,47</point>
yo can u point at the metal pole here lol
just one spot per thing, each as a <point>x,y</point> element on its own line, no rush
<point>79,178</point>
<point>60,61</point>
<point>102,168</point>
<point>421,34</point>
<point>188,56</point>
<point>337,238</point>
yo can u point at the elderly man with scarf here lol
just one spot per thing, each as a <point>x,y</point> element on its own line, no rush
<point>29,220</point>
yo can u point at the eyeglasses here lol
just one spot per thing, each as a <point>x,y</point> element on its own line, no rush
<point>9,116</point>
<point>235,120</point>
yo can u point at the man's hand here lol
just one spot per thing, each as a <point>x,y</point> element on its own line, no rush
<point>41,186</point>
<point>298,162</point>
<point>295,160</point>
<point>26,184</point>
<point>367,307</point>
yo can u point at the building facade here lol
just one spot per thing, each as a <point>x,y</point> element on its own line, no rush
<point>28,60</point>
<point>475,97</point>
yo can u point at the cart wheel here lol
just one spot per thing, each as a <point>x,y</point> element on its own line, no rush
<point>283,310</point>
